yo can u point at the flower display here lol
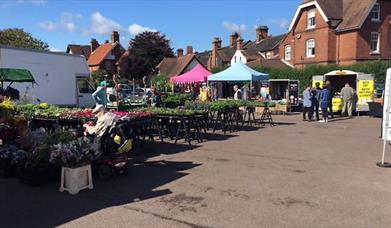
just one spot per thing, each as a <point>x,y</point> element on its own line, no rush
<point>72,154</point>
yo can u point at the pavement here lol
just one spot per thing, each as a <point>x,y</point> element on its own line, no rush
<point>297,174</point>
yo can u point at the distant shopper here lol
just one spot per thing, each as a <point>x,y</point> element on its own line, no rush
<point>324,99</point>
<point>238,93</point>
<point>156,99</point>
<point>100,95</point>
<point>332,92</point>
<point>245,92</point>
<point>307,103</point>
<point>316,99</point>
<point>347,94</point>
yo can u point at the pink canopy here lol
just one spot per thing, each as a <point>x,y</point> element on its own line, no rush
<point>197,74</point>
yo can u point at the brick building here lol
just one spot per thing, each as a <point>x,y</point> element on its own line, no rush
<point>100,56</point>
<point>338,31</point>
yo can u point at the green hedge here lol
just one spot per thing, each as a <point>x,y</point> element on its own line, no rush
<point>377,68</point>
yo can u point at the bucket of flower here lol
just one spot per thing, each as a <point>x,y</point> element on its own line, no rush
<point>74,155</point>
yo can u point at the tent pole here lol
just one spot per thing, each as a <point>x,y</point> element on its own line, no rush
<point>251,86</point>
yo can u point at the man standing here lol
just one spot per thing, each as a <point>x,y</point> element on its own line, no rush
<point>100,94</point>
<point>307,103</point>
<point>331,89</point>
<point>238,94</point>
<point>347,94</point>
<point>316,98</point>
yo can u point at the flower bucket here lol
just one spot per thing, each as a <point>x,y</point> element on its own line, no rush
<point>75,179</point>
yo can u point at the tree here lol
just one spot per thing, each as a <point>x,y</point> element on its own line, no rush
<point>97,77</point>
<point>147,50</point>
<point>19,38</point>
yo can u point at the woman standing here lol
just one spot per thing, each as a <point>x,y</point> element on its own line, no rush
<point>325,103</point>
<point>307,103</point>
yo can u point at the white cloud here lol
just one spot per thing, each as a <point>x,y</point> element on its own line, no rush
<point>102,25</point>
<point>282,23</point>
<point>53,49</point>
<point>135,29</point>
<point>66,23</point>
<point>48,25</point>
<point>239,28</point>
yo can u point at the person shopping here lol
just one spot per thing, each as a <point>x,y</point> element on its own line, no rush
<point>324,104</point>
<point>316,99</point>
<point>238,93</point>
<point>347,94</point>
<point>307,103</point>
<point>100,96</point>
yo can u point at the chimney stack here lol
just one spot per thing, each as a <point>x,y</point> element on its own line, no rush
<point>262,33</point>
<point>216,43</point>
<point>94,44</point>
<point>115,37</point>
<point>239,43</point>
<point>189,50</point>
<point>232,39</point>
<point>179,52</point>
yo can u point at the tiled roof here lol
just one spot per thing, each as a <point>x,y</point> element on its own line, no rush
<point>345,14</point>
<point>226,53</point>
<point>204,57</point>
<point>268,63</point>
<point>266,44</point>
<point>100,53</point>
<point>172,66</point>
<point>78,49</point>
<point>355,13</point>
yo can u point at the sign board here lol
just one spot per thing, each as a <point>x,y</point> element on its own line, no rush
<point>387,108</point>
<point>294,92</point>
<point>366,89</point>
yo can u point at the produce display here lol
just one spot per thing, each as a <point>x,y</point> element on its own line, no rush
<point>172,111</point>
<point>173,101</point>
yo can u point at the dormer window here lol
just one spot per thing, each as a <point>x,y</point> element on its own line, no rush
<point>311,22</point>
<point>376,12</point>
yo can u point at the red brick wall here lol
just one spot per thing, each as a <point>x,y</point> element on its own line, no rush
<point>383,27</point>
<point>346,45</point>
<point>343,48</point>
<point>324,38</point>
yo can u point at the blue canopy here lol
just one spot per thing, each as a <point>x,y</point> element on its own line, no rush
<point>239,72</point>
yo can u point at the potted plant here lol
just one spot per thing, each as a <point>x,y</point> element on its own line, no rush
<point>74,156</point>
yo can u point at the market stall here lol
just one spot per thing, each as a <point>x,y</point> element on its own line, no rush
<point>286,92</point>
<point>363,84</point>
<point>197,75</point>
<point>238,73</point>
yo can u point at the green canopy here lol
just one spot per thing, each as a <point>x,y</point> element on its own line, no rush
<point>15,75</point>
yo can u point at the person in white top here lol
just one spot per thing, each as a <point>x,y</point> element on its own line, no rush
<point>238,94</point>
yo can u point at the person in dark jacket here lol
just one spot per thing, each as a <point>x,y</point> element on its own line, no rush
<point>316,99</point>
<point>331,90</point>
<point>325,104</point>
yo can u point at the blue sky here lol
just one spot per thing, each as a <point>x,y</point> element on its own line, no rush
<point>185,22</point>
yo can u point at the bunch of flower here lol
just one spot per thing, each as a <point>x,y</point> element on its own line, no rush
<point>74,153</point>
<point>85,114</point>
<point>7,107</point>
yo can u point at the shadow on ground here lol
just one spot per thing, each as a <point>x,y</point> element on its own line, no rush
<point>45,206</point>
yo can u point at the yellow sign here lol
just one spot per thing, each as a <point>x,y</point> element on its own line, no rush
<point>337,104</point>
<point>365,91</point>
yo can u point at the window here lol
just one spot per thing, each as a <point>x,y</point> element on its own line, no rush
<point>310,48</point>
<point>375,42</point>
<point>84,86</point>
<point>376,12</point>
<point>288,52</point>
<point>311,23</point>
